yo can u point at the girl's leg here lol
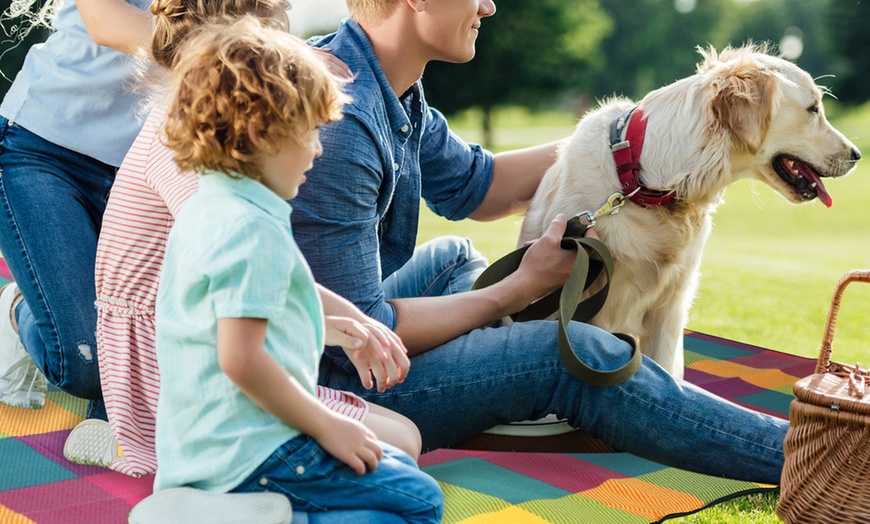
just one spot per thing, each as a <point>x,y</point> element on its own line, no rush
<point>394,429</point>
<point>316,482</point>
<point>51,205</point>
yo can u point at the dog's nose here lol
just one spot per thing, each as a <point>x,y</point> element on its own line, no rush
<point>856,154</point>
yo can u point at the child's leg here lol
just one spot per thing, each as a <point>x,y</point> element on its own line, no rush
<point>315,481</point>
<point>395,429</point>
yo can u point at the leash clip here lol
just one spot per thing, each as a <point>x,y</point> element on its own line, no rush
<point>611,207</point>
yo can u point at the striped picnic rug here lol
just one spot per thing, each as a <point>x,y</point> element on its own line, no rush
<point>37,485</point>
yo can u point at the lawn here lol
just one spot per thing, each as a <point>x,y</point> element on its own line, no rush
<point>769,268</point>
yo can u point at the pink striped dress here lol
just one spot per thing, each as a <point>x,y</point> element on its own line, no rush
<point>147,193</point>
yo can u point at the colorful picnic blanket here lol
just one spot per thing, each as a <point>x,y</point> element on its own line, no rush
<point>37,485</point>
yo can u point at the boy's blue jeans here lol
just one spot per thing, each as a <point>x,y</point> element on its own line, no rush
<point>330,492</point>
<point>499,375</point>
<point>51,206</point>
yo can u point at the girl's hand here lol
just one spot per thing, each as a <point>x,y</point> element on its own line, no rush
<point>336,66</point>
<point>372,348</point>
<point>351,442</point>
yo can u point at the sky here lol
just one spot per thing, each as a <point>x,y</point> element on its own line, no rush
<point>307,16</point>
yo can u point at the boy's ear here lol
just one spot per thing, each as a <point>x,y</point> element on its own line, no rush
<point>255,137</point>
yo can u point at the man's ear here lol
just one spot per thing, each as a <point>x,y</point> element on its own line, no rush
<point>418,5</point>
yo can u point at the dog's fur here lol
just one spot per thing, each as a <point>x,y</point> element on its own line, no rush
<point>744,114</point>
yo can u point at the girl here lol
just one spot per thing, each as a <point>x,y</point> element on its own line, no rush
<point>148,191</point>
<point>240,327</point>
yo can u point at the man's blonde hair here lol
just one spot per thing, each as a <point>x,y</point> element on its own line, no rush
<point>232,81</point>
<point>370,10</point>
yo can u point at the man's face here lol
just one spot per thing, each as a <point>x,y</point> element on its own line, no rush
<point>451,27</point>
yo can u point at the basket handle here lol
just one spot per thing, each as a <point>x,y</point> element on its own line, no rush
<point>859,275</point>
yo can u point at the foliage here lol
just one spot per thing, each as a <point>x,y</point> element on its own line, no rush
<point>848,23</point>
<point>13,50</point>
<point>528,53</point>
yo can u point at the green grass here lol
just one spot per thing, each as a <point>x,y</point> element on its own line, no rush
<point>769,269</point>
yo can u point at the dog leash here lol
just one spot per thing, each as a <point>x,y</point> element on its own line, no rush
<point>587,267</point>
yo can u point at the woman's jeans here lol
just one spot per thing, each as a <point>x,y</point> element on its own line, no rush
<point>499,375</point>
<point>51,207</point>
<point>329,491</point>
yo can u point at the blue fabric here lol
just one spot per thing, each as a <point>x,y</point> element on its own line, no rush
<point>77,94</point>
<point>230,254</point>
<point>51,207</point>
<point>499,375</point>
<point>358,211</point>
<point>329,491</point>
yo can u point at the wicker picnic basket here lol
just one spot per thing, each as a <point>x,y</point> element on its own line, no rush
<point>826,478</point>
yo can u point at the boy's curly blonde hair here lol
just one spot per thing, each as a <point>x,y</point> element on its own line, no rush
<point>232,81</point>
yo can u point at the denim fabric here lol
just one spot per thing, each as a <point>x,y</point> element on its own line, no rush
<point>316,482</point>
<point>51,206</point>
<point>357,213</point>
<point>504,374</point>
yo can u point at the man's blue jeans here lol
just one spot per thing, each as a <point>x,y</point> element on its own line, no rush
<point>330,492</point>
<point>499,375</point>
<point>51,207</point>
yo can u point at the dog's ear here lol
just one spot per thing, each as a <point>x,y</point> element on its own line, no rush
<point>743,97</point>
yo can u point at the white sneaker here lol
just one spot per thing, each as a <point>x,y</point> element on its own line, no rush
<point>21,384</point>
<point>92,443</point>
<point>190,505</point>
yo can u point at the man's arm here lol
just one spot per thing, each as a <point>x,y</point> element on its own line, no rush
<point>426,322</point>
<point>117,24</point>
<point>516,176</point>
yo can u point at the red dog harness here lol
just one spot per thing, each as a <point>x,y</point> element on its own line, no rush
<point>626,152</point>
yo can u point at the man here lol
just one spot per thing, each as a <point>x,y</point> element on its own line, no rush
<point>356,222</point>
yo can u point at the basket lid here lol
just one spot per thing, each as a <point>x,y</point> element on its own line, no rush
<point>843,388</point>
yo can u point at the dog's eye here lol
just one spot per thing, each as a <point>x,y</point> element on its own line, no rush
<point>814,108</point>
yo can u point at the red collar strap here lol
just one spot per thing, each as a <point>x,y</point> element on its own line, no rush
<point>627,155</point>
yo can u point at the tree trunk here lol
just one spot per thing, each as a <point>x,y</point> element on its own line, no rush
<point>486,122</point>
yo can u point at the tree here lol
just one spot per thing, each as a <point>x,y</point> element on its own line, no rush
<point>13,48</point>
<point>529,53</point>
<point>850,41</point>
<point>654,42</point>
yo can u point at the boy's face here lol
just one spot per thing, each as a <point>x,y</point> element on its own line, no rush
<point>284,171</point>
<point>452,27</point>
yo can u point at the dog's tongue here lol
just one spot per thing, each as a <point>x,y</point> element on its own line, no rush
<point>810,175</point>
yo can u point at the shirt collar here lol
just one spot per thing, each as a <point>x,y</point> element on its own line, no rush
<point>370,89</point>
<point>248,189</point>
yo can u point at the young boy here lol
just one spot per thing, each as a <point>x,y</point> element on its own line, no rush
<point>239,331</point>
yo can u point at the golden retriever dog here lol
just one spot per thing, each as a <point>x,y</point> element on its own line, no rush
<point>743,114</point>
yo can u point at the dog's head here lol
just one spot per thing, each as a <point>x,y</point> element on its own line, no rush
<point>773,113</point>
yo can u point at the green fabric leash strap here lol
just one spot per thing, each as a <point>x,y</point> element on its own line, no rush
<point>567,300</point>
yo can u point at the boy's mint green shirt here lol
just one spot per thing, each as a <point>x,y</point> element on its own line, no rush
<point>230,254</point>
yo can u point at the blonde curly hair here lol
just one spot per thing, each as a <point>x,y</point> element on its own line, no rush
<point>232,81</point>
<point>175,19</point>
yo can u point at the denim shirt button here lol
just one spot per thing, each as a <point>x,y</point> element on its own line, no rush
<point>395,166</point>
<point>264,481</point>
<point>404,128</point>
<point>300,470</point>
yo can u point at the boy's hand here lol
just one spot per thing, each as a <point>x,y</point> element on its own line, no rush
<point>352,443</point>
<point>372,348</point>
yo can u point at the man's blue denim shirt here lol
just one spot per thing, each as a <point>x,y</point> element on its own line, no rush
<point>355,219</point>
